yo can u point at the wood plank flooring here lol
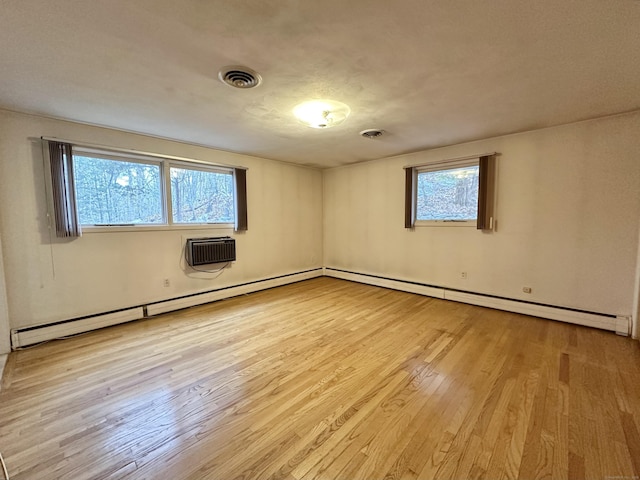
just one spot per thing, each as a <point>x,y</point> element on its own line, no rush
<point>326,379</point>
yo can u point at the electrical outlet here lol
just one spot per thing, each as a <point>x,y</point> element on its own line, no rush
<point>167,283</point>
<point>463,275</point>
<point>526,289</point>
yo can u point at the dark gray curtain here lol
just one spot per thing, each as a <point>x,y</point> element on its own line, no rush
<point>240,178</point>
<point>409,179</point>
<point>64,199</point>
<point>485,193</point>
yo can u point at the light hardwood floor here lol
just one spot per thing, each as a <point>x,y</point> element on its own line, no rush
<point>326,379</point>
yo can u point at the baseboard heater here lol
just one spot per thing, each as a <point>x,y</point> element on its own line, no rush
<point>620,324</point>
<point>23,337</point>
<point>234,291</point>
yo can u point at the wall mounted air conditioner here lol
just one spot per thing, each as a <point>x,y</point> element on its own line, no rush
<point>203,251</point>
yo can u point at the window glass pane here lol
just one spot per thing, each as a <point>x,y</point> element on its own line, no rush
<point>117,192</point>
<point>200,196</point>
<point>448,194</point>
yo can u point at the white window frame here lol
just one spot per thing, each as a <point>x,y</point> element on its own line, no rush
<point>437,167</point>
<point>165,190</point>
<point>193,166</point>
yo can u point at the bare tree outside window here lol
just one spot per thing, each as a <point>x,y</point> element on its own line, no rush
<point>112,192</point>
<point>115,192</point>
<point>199,196</point>
<point>449,194</point>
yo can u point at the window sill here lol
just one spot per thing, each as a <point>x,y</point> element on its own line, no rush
<point>445,223</point>
<point>156,228</point>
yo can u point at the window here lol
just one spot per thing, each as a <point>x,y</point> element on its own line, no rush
<point>117,192</point>
<point>201,196</point>
<point>92,187</point>
<point>448,194</point>
<point>451,192</point>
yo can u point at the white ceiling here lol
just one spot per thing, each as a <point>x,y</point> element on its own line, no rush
<point>429,72</point>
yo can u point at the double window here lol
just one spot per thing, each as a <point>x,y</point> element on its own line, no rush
<point>96,188</point>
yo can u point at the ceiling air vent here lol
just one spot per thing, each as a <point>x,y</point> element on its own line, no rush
<point>240,77</point>
<point>372,133</point>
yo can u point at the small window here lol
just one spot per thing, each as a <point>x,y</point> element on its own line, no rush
<point>448,193</point>
<point>452,192</point>
<point>118,192</point>
<point>201,195</point>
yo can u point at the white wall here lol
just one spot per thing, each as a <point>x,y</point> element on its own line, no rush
<point>636,301</point>
<point>568,213</point>
<point>50,279</point>
<point>5,344</point>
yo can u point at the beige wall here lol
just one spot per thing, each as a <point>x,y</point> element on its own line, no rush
<point>636,300</point>
<point>5,344</point>
<point>49,279</point>
<point>568,213</point>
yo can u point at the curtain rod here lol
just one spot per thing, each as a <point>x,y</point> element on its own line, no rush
<point>139,152</point>
<point>457,159</point>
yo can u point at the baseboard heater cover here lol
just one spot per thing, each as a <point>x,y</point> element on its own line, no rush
<point>36,334</point>
<point>200,299</point>
<point>619,324</point>
<point>32,335</point>
<point>41,333</point>
<point>387,283</point>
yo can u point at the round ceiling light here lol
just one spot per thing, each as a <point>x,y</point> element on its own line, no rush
<point>240,77</point>
<point>322,113</point>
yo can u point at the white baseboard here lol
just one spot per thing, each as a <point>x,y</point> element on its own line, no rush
<point>3,362</point>
<point>605,322</point>
<point>32,335</point>
<point>177,304</point>
<point>618,324</point>
<point>386,283</point>
<point>41,333</point>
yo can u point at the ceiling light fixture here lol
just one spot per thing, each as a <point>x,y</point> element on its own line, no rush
<point>322,113</point>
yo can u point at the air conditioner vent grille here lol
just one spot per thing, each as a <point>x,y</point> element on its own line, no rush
<point>372,133</point>
<point>240,77</point>
<point>203,251</point>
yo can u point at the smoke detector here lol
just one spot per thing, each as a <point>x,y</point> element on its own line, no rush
<point>372,133</point>
<point>240,77</point>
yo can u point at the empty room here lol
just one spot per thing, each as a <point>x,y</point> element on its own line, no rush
<point>357,240</point>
